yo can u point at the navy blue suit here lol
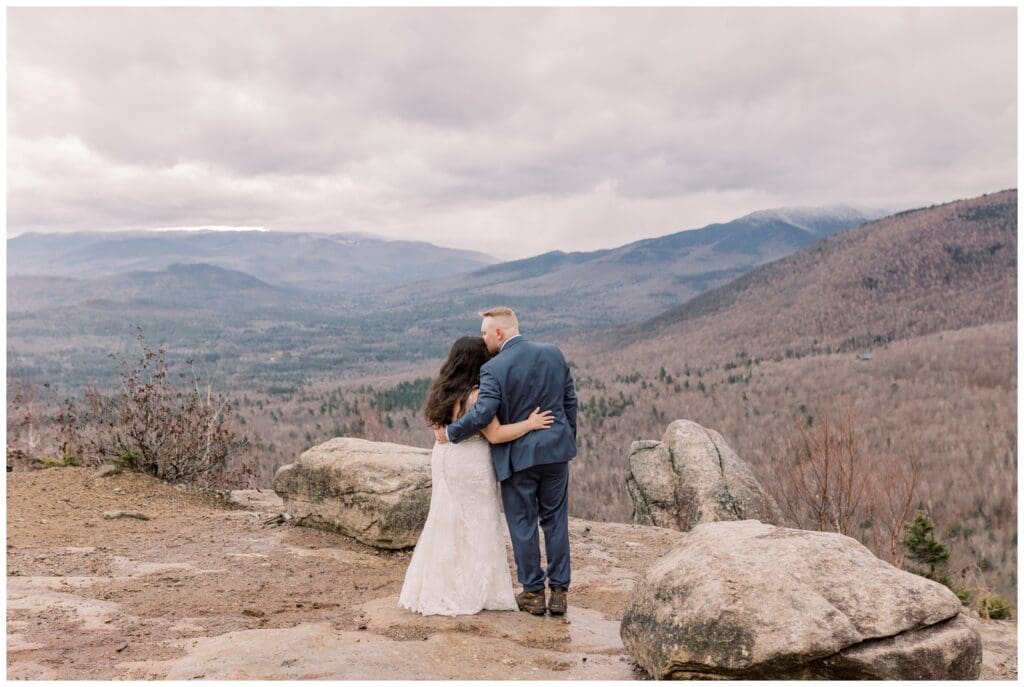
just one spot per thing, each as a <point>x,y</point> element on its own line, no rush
<point>534,469</point>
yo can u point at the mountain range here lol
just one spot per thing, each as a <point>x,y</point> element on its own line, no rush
<point>339,302</point>
<point>331,263</point>
<point>913,273</point>
<point>636,280</point>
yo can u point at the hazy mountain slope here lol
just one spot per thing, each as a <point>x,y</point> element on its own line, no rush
<point>931,292</point>
<point>916,272</point>
<point>192,285</point>
<point>328,262</point>
<point>637,280</point>
<point>346,319</point>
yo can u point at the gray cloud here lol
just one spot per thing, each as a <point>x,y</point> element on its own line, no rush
<point>511,131</point>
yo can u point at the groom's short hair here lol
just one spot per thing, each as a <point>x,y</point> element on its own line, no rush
<point>504,316</point>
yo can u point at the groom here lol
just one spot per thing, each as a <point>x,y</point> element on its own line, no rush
<point>534,469</point>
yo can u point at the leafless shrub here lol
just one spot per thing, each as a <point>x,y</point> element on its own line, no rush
<point>822,477</point>
<point>975,591</point>
<point>151,426</point>
<point>24,420</point>
<point>896,488</point>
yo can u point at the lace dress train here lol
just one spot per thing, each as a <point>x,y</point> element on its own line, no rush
<point>459,565</point>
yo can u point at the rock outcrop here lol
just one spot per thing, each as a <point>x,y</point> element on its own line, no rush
<point>692,476</point>
<point>376,492</point>
<point>746,600</point>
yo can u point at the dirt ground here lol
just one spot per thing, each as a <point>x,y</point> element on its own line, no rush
<point>204,589</point>
<point>95,598</point>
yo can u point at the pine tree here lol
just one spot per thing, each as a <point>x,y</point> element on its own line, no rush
<point>924,549</point>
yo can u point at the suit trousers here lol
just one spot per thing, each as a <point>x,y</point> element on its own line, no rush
<point>539,493</point>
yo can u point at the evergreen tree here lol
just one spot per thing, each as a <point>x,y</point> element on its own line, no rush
<point>924,549</point>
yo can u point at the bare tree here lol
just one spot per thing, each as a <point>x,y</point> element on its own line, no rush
<point>898,483</point>
<point>823,473</point>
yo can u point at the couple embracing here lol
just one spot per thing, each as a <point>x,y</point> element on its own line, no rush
<point>503,410</point>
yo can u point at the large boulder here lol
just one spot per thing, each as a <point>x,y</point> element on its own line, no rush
<point>376,492</point>
<point>692,476</point>
<point>747,600</point>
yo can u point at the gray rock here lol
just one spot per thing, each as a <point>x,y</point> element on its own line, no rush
<point>692,476</point>
<point>107,470</point>
<point>950,650</point>
<point>747,600</point>
<point>376,492</point>
<point>261,500</point>
<point>999,642</point>
<point>115,514</point>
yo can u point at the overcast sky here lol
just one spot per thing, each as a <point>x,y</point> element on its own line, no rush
<point>509,131</point>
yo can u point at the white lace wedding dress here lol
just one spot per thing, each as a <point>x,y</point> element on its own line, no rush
<point>459,566</point>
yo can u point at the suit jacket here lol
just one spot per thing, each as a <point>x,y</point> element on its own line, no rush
<point>525,375</point>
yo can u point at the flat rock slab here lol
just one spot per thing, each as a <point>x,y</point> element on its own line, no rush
<point>317,651</point>
<point>581,629</point>
<point>45,594</point>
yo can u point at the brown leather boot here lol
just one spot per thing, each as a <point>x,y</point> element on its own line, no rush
<point>557,604</point>
<point>531,602</point>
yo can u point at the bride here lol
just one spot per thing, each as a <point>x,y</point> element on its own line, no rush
<point>459,566</point>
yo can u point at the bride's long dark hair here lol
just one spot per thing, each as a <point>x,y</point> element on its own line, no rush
<point>459,374</point>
